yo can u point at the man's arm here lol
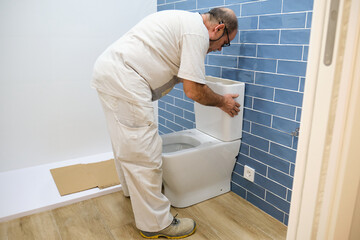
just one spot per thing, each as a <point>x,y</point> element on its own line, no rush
<point>202,94</point>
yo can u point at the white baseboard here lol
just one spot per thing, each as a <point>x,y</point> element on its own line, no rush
<point>32,190</point>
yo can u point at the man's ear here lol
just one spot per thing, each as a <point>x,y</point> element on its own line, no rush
<point>220,27</point>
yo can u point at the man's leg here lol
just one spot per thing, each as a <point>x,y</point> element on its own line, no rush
<point>137,149</point>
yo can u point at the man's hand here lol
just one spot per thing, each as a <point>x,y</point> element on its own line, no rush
<point>230,106</point>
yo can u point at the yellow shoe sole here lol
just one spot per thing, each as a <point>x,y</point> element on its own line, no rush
<point>168,237</point>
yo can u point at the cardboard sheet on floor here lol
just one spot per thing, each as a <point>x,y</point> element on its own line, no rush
<point>80,177</point>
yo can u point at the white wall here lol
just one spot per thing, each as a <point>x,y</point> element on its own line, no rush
<point>48,112</point>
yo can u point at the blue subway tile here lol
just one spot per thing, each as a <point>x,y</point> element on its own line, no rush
<point>248,102</point>
<point>298,114</point>
<point>236,40</point>
<point>280,177</point>
<point>161,120</point>
<point>164,130</point>
<point>301,36</point>
<point>295,142</point>
<point>225,61</point>
<point>201,10</point>
<point>166,115</point>
<point>271,134</point>
<point>246,23</point>
<point>296,5</point>
<point>292,68</point>
<point>239,169</point>
<point>238,190</point>
<point>283,152</point>
<point>286,219</point>
<point>168,99</point>
<point>258,117</point>
<point>259,36</point>
<point>308,20</point>
<point>235,8</point>
<point>212,71</point>
<point>244,149</point>
<point>238,75</point>
<point>176,93</point>
<point>186,5</point>
<point>261,7</point>
<point>280,52</point>
<point>266,207</point>
<point>160,2</point>
<point>257,64</point>
<point>292,170</point>
<point>233,50</point>
<point>183,122</point>
<point>302,84</point>
<point>179,86</point>
<point>278,202</point>
<point>184,104</point>
<point>288,97</point>
<point>246,126</point>
<point>288,196</point>
<point>259,167</point>
<point>270,185</point>
<point>278,81</point>
<point>227,2</point>
<point>259,91</point>
<point>294,20</point>
<point>241,50</point>
<point>306,52</point>
<point>174,126</point>
<point>255,141</point>
<point>166,7</point>
<point>189,116</point>
<point>214,53</point>
<point>175,110</point>
<point>275,108</point>
<point>270,160</point>
<point>161,104</point>
<point>284,125</point>
<point>250,186</point>
<point>209,4</point>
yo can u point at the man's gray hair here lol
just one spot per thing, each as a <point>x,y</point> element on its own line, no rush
<point>224,16</point>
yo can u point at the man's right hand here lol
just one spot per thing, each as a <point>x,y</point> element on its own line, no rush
<point>229,105</point>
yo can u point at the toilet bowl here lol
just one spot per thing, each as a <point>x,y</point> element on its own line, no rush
<point>198,163</point>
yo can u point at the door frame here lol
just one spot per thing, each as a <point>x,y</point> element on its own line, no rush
<point>326,178</point>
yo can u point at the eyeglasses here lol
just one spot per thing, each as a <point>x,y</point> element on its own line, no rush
<point>228,41</point>
<point>227,34</point>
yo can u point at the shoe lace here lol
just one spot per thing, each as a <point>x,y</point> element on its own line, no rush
<point>175,220</point>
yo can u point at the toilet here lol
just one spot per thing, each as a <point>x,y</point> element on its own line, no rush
<point>198,163</point>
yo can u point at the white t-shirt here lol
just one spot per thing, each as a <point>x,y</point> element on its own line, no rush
<point>163,47</point>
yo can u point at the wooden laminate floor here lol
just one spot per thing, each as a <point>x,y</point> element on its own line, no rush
<point>227,217</point>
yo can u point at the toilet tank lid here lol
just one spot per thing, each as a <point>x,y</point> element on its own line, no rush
<point>222,81</point>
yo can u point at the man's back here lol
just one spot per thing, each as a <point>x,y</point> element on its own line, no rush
<point>156,48</point>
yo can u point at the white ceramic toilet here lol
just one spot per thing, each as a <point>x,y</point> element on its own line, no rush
<point>198,163</point>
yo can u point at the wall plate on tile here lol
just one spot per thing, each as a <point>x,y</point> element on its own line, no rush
<point>249,173</point>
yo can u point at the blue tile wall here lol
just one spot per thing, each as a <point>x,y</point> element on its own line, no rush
<point>269,54</point>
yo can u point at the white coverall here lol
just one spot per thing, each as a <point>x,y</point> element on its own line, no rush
<point>140,67</point>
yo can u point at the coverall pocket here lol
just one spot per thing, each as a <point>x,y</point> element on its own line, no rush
<point>140,144</point>
<point>138,134</point>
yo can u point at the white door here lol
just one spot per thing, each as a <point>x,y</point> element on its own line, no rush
<point>325,202</point>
